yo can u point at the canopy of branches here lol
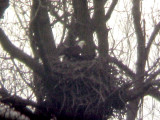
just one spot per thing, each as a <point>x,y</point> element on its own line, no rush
<point>43,77</point>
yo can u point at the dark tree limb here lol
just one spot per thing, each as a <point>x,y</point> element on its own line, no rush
<point>42,33</point>
<point>101,30</point>
<point>141,92</point>
<point>19,54</point>
<point>110,10</point>
<point>102,35</point>
<point>137,19</point>
<point>123,67</point>
<point>20,105</point>
<point>141,60</point>
<point>83,26</point>
<point>152,38</point>
<point>3,6</point>
<point>140,38</point>
<point>155,93</point>
<point>153,76</point>
<point>63,19</point>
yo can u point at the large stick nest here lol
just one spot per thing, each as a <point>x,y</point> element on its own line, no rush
<point>83,89</point>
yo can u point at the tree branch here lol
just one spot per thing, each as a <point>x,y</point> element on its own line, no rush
<point>17,102</point>
<point>137,18</point>
<point>154,92</point>
<point>133,95</point>
<point>141,57</point>
<point>152,37</point>
<point>154,75</point>
<point>42,33</point>
<point>141,60</point>
<point>83,25</point>
<point>19,54</point>
<point>101,30</point>
<point>20,105</point>
<point>110,10</point>
<point>123,67</point>
<point>3,6</point>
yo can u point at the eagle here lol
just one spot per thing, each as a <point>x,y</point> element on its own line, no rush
<point>73,52</point>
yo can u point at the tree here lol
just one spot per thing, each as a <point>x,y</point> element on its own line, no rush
<point>37,83</point>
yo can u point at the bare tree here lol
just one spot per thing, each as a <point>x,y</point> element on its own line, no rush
<point>119,64</point>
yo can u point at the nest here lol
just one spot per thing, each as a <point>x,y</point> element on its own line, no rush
<point>83,91</point>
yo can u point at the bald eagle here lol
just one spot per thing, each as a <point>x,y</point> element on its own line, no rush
<point>73,52</point>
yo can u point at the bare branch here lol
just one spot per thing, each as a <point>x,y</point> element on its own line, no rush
<point>42,33</point>
<point>112,6</point>
<point>137,18</point>
<point>141,59</point>
<point>83,26</point>
<point>19,54</point>
<point>122,67</point>
<point>152,37</point>
<point>17,102</point>
<point>132,95</point>
<point>154,75</point>
<point>101,29</point>
<point>154,92</point>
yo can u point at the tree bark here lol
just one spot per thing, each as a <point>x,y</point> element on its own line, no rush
<point>41,33</point>
<point>141,60</point>
<point>84,27</point>
<point>19,54</point>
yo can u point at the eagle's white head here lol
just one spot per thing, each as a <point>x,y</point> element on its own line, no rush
<point>81,44</point>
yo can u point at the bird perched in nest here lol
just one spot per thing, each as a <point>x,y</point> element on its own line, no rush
<point>73,52</point>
